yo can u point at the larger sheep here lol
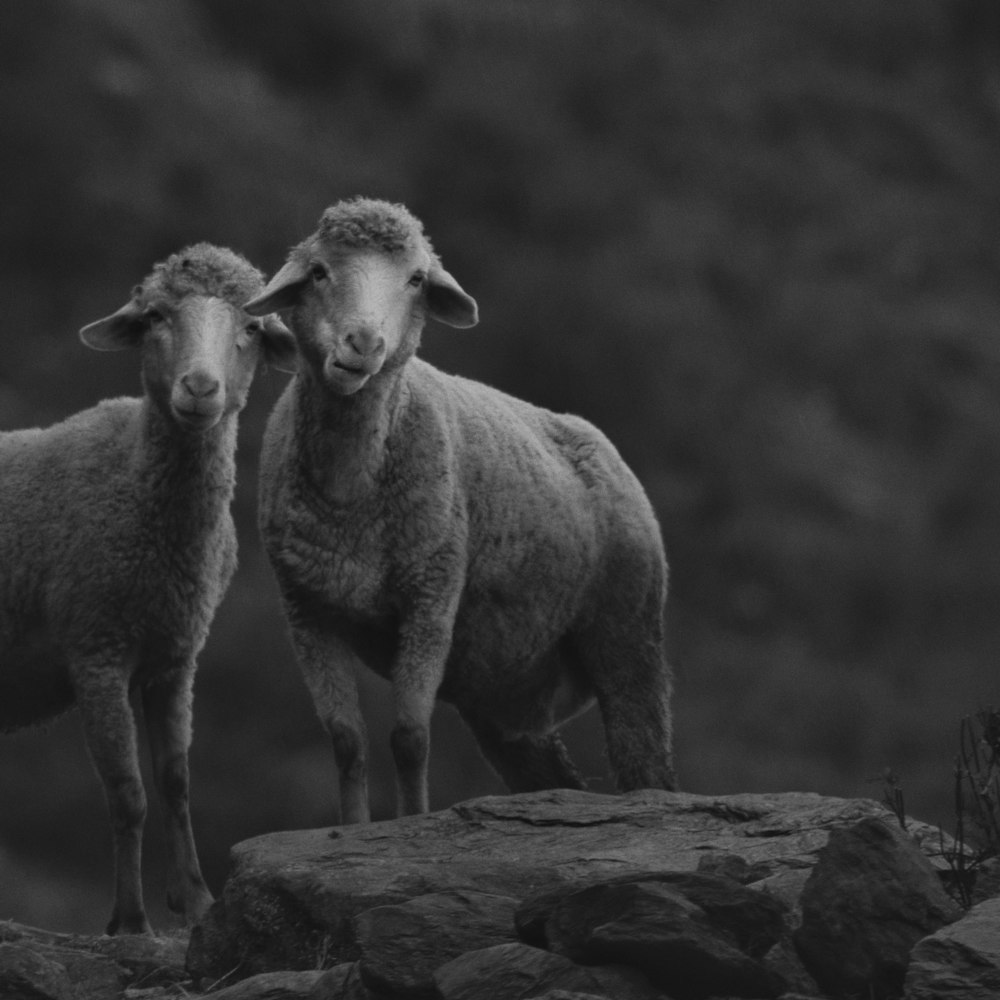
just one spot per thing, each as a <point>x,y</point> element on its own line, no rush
<point>462,543</point>
<point>117,544</point>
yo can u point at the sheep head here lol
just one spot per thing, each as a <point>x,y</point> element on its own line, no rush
<point>360,290</point>
<point>200,348</point>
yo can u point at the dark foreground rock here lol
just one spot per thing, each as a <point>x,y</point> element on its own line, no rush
<point>38,965</point>
<point>871,897</point>
<point>560,896</point>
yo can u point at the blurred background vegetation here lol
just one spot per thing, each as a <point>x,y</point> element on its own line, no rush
<point>758,244</point>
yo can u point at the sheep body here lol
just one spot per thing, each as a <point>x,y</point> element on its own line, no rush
<point>146,547</point>
<point>117,545</point>
<point>459,541</point>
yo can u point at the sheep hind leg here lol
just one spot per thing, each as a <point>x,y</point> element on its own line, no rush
<point>526,763</point>
<point>109,728</point>
<point>632,681</point>
<point>167,707</point>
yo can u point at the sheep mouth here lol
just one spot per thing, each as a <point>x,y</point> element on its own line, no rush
<point>350,369</point>
<point>194,419</point>
<point>345,379</point>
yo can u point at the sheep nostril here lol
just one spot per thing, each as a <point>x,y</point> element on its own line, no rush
<point>200,386</point>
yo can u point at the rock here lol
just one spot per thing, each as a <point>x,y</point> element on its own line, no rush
<point>516,971</point>
<point>658,929</point>
<point>48,966</point>
<point>148,961</point>
<point>787,887</point>
<point>785,966</point>
<point>870,898</point>
<point>566,995</point>
<point>273,986</point>
<point>755,920</point>
<point>731,866</point>
<point>25,973</point>
<point>342,982</point>
<point>960,961</point>
<point>291,898</point>
<point>402,945</point>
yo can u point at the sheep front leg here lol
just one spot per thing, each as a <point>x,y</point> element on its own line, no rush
<point>167,707</point>
<point>329,666</point>
<point>109,727</point>
<point>416,677</point>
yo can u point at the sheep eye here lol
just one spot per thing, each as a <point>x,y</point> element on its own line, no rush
<point>247,334</point>
<point>154,316</point>
<point>318,272</point>
<point>416,280</point>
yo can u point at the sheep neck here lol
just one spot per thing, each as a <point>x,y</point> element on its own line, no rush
<point>193,471</point>
<point>343,438</point>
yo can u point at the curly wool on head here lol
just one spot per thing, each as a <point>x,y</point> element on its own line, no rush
<point>370,224</point>
<point>203,269</point>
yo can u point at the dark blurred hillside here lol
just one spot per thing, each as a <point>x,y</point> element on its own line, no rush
<point>757,243</point>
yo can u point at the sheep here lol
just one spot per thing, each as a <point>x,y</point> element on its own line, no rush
<point>460,542</point>
<point>117,545</point>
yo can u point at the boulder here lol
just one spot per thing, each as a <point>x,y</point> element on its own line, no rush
<point>516,971</point>
<point>24,972</point>
<point>291,899</point>
<point>656,927</point>
<point>402,945</point>
<point>960,961</point>
<point>871,896</point>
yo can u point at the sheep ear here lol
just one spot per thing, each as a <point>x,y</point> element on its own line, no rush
<point>446,300</point>
<point>282,290</point>
<point>116,332</point>
<point>280,351</point>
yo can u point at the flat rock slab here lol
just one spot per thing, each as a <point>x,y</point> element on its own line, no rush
<point>291,899</point>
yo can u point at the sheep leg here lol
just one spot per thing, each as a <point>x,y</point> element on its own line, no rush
<point>329,666</point>
<point>632,681</point>
<point>109,728</point>
<point>527,763</point>
<point>167,707</point>
<point>416,677</point>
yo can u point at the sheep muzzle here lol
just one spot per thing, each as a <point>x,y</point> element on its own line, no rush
<point>197,401</point>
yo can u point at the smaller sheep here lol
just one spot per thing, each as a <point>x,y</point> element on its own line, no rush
<point>117,544</point>
<point>462,543</point>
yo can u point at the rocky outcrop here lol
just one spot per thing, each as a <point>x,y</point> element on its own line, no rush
<point>564,895</point>
<point>291,898</point>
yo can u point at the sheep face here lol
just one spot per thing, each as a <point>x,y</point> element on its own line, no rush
<point>359,299</point>
<point>199,359</point>
<point>199,350</point>
<point>360,313</point>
